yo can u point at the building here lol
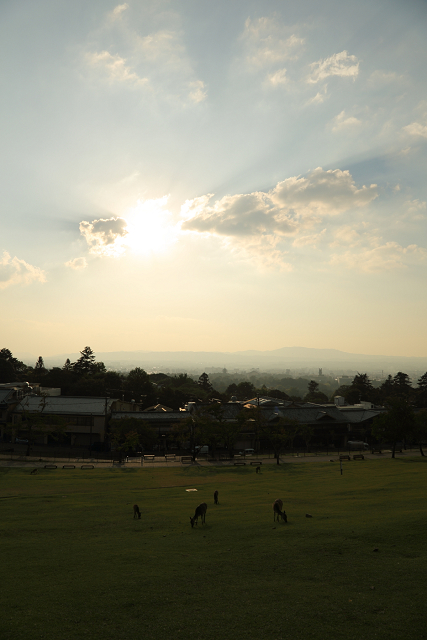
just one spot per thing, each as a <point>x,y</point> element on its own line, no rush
<point>82,420</point>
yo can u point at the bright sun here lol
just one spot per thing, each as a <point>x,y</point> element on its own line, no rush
<point>149,227</point>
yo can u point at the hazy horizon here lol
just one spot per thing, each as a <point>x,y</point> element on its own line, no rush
<point>287,359</point>
<point>181,176</point>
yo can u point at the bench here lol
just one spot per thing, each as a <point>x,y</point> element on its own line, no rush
<point>87,466</point>
<point>240,464</point>
<point>149,458</point>
<point>50,466</point>
<point>186,459</point>
<point>68,466</point>
<point>256,463</point>
<point>170,457</point>
<point>345,457</point>
<point>358,456</point>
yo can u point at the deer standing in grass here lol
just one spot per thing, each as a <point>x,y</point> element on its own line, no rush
<point>278,510</point>
<point>136,512</point>
<point>200,511</point>
<point>216,497</point>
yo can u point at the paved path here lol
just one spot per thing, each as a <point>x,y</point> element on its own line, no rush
<point>200,462</point>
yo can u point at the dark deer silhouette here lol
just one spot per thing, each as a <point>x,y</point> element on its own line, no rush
<point>33,471</point>
<point>216,497</point>
<point>200,511</point>
<point>136,512</point>
<point>258,470</point>
<point>278,510</point>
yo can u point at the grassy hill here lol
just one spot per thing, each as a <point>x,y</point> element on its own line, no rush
<point>76,565</point>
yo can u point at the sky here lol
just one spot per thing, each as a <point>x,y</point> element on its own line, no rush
<point>217,176</point>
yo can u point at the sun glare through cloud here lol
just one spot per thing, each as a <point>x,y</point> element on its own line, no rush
<point>149,227</point>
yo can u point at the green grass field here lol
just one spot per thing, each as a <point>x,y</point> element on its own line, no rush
<point>75,564</point>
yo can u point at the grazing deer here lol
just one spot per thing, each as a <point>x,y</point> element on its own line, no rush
<point>277,510</point>
<point>258,470</point>
<point>33,471</point>
<point>200,511</point>
<point>216,497</point>
<point>136,512</point>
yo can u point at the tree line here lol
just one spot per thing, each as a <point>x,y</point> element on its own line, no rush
<point>87,377</point>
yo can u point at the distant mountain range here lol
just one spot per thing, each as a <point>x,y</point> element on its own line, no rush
<point>293,358</point>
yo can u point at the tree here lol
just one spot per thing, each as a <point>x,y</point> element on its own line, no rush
<point>314,394</point>
<point>7,372</point>
<point>402,385</point>
<point>130,433</point>
<point>396,424</point>
<point>313,387</point>
<point>243,391</point>
<point>276,393</point>
<point>19,368</point>
<point>350,395</point>
<point>421,394</point>
<point>67,366</point>
<point>362,384</point>
<point>57,377</point>
<point>189,430</point>
<point>419,431</point>
<point>139,384</point>
<point>222,430</point>
<point>204,382</point>
<point>113,382</point>
<point>387,388</point>
<point>39,367</point>
<point>307,433</point>
<point>422,382</point>
<point>280,432</point>
<point>85,364</point>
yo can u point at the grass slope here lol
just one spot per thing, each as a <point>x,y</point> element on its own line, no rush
<point>76,565</point>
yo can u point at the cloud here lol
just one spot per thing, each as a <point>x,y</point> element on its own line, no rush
<point>267,42</point>
<point>105,237</point>
<point>319,97</point>
<point>309,240</point>
<point>116,13</point>
<point>343,122</point>
<point>114,67</point>
<point>385,257</point>
<point>197,92</point>
<point>77,263</point>
<point>383,77</point>
<point>340,64</point>
<point>278,77</point>
<point>280,210</point>
<point>157,62</point>
<point>322,193</point>
<point>262,221</point>
<point>416,129</point>
<point>415,209</point>
<point>15,271</point>
<point>346,235</point>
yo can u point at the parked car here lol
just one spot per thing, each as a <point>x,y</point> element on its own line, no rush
<point>357,445</point>
<point>21,441</point>
<point>247,452</point>
<point>204,449</point>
